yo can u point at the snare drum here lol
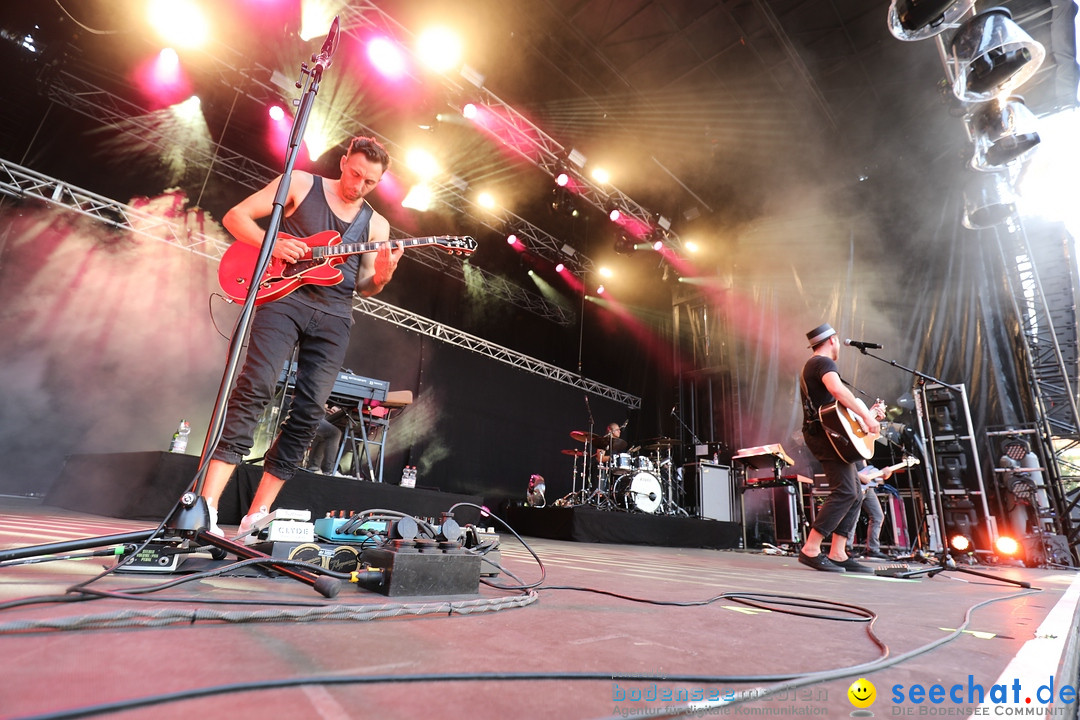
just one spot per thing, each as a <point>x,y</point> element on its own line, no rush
<point>622,464</point>
<point>640,491</point>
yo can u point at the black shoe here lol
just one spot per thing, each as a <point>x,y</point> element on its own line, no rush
<point>877,554</point>
<point>853,565</point>
<point>820,562</point>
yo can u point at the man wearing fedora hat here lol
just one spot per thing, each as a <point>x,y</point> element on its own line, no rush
<point>821,384</point>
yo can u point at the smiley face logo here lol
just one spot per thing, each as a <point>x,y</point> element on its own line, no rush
<point>862,693</point>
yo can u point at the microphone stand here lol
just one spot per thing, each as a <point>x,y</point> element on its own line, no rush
<point>190,517</point>
<point>945,561</point>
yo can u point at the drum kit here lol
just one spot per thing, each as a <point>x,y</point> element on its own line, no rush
<point>631,479</point>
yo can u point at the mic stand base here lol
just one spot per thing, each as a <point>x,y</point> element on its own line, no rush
<point>947,563</point>
<point>191,519</point>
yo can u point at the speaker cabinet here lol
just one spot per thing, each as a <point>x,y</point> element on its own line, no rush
<point>709,491</point>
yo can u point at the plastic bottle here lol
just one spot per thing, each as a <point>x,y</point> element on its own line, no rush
<point>180,437</point>
<point>408,476</point>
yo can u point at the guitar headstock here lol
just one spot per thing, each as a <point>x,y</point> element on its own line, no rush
<point>457,244</point>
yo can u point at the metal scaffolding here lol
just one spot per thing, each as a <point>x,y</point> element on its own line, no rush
<point>99,104</point>
<point>23,183</point>
<point>1042,273</point>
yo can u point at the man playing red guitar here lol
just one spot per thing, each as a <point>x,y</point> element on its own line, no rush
<point>821,384</point>
<point>314,318</point>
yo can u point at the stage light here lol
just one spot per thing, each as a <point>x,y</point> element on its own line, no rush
<point>419,198</point>
<point>535,494</point>
<point>691,247</point>
<point>601,176</point>
<point>386,57</point>
<point>988,201</point>
<point>439,49</point>
<point>562,202</point>
<point>1007,546</point>
<point>960,543</point>
<point>1003,130</point>
<point>624,245</point>
<point>512,239</point>
<point>990,55</point>
<point>615,215</point>
<point>599,289</point>
<point>605,272</point>
<point>562,179</point>
<point>315,18</point>
<point>276,113</point>
<point>422,163</point>
<point>469,112</point>
<point>178,22</point>
<point>560,268</point>
<point>911,20</point>
<point>486,200</point>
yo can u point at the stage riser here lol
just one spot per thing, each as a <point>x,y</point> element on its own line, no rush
<point>146,485</point>
<point>631,528</point>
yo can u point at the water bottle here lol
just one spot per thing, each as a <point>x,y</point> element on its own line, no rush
<point>180,437</point>
<point>408,476</point>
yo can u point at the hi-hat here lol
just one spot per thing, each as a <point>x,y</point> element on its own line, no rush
<point>660,443</point>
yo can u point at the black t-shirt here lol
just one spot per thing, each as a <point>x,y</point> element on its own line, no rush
<point>815,394</point>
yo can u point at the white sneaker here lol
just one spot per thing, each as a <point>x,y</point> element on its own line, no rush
<point>214,529</point>
<point>245,534</point>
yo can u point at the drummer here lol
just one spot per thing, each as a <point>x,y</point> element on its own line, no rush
<point>610,441</point>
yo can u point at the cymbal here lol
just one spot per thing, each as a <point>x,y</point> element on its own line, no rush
<point>574,453</point>
<point>582,436</point>
<point>616,445</point>
<point>660,443</point>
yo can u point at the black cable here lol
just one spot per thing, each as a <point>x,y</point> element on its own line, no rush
<point>484,511</point>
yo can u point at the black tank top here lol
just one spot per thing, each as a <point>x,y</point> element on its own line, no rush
<point>312,216</point>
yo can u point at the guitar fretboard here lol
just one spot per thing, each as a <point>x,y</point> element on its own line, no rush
<point>357,248</point>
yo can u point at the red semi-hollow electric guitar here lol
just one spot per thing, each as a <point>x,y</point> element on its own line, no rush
<point>316,268</point>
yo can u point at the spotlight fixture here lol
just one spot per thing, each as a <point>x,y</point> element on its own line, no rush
<point>624,245</point>
<point>911,20</point>
<point>1003,130</point>
<point>1007,546</point>
<point>990,55</point>
<point>988,201</point>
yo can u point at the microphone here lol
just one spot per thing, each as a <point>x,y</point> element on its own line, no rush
<point>625,423</point>
<point>862,345</point>
<point>329,46</point>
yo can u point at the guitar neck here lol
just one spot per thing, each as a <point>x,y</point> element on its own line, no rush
<point>366,247</point>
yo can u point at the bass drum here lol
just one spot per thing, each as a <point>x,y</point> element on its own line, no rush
<point>640,491</point>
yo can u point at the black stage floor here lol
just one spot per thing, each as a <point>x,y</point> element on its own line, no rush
<point>610,630</point>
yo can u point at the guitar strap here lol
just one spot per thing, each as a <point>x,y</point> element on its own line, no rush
<point>357,230</point>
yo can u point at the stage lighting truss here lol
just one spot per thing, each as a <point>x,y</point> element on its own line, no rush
<point>1003,131</point>
<point>912,20</point>
<point>990,55</point>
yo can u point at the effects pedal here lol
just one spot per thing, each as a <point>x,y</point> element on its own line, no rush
<point>283,525</point>
<point>896,571</point>
<point>154,558</point>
